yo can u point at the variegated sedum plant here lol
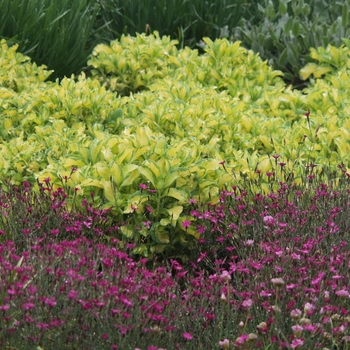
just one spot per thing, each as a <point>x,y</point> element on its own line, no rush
<point>156,126</point>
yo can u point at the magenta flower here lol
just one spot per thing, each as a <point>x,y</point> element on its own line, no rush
<point>342,293</point>
<point>225,276</point>
<point>28,306</point>
<point>296,343</point>
<point>47,180</point>
<point>50,301</point>
<point>249,242</point>
<point>242,339</point>
<point>187,336</point>
<point>186,223</point>
<point>269,220</point>
<point>73,294</point>
<point>201,256</point>
<point>295,314</point>
<point>309,308</point>
<point>149,209</point>
<point>247,303</point>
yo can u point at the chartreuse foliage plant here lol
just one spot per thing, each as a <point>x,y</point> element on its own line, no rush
<point>157,126</point>
<point>17,72</point>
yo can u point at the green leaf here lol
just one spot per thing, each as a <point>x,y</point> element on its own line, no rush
<point>140,250</point>
<point>148,174</point>
<point>109,190</point>
<point>117,174</point>
<point>169,179</point>
<point>296,28</point>
<point>158,248</point>
<point>117,114</point>
<point>161,236</point>
<point>130,178</point>
<point>175,212</point>
<point>128,231</point>
<point>306,71</point>
<point>179,194</point>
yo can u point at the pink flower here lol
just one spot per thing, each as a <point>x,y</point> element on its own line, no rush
<point>27,306</point>
<point>247,303</point>
<point>224,344</point>
<point>269,220</point>
<point>187,336</point>
<point>73,294</point>
<point>47,180</point>
<point>225,276</point>
<point>242,339</point>
<point>295,314</point>
<point>342,293</point>
<point>50,301</point>
<point>297,329</point>
<point>296,343</point>
<point>201,256</point>
<point>126,301</point>
<point>149,209</point>
<point>249,243</point>
<point>147,224</point>
<point>186,223</point>
<point>309,309</point>
<point>278,282</point>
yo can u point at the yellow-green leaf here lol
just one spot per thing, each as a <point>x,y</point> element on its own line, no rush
<point>161,237</point>
<point>127,231</point>
<point>178,194</point>
<point>175,211</point>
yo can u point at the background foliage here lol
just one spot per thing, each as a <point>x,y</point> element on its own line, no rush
<point>58,34</point>
<point>62,35</point>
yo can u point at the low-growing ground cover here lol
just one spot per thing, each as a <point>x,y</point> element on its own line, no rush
<point>268,271</point>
